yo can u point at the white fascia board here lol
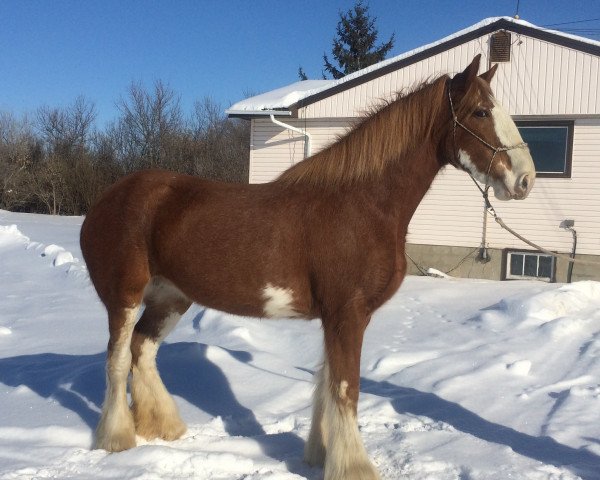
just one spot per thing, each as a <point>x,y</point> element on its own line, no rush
<point>257,113</point>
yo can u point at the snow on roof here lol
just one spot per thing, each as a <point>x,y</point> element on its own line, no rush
<point>279,101</point>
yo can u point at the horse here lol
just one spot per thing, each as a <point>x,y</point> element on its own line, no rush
<point>325,240</point>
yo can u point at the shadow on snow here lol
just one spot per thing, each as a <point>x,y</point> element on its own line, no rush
<point>544,449</point>
<point>77,382</point>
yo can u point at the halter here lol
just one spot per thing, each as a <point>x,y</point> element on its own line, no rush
<point>455,122</point>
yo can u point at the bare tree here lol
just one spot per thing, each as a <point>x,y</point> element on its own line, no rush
<point>19,152</point>
<point>147,120</point>
<point>59,163</point>
<point>61,180</point>
<point>224,143</point>
<point>66,129</point>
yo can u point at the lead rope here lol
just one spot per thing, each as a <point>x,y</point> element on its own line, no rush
<point>500,222</point>
<point>488,208</point>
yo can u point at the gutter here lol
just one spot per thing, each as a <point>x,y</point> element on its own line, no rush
<point>256,113</point>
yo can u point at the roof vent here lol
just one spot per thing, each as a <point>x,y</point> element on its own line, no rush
<point>500,47</point>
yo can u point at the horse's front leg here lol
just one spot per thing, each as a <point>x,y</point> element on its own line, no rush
<point>314,451</point>
<point>345,454</point>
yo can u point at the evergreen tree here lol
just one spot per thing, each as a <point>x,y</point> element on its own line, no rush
<point>354,47</point>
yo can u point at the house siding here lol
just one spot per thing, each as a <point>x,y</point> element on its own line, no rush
<point>356,101</point>
<point>541,80</point>
<point>546,79</point>
<point>452,211</point>
<point>274,149</point>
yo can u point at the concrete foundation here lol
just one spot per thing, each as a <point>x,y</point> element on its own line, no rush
<point>463,262</point>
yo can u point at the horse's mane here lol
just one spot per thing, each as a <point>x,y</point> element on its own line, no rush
<point>384,135</point>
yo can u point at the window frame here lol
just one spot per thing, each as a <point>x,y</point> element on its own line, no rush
<point>570,124</point>
<point>505,270</point>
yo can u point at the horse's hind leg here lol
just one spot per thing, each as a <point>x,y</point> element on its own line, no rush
<point>154,410</point>
<point>116,431</point>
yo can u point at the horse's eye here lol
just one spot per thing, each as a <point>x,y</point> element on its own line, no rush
<point>482,113</point>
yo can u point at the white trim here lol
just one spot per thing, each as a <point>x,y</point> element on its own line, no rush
<point>261,113</point>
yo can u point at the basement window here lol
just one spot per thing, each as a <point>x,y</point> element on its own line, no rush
<point>500,47</point>
<point>528,265</point>
<point>551,146</point>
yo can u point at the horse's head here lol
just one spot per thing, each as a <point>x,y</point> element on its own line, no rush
<point>483,139</point>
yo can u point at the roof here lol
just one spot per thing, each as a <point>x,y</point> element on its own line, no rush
<point>280,99</point>
<point>283,101</point>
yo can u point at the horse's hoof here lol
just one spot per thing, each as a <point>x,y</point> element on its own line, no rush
<point>361,471</point>
<point>173,431</point>
<point>165,429</point>
<point>115,443</point>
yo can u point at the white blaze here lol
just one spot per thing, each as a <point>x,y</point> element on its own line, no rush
<point>509,136</point>
<point>505,127</point>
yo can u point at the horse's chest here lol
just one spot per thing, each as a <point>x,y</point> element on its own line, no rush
<point>392,274</point>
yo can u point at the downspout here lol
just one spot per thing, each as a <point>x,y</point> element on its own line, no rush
<point>570,271</point>
<point>308,138</point>
<point>568,225</point>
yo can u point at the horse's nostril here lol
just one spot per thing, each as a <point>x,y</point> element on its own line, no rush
<point>523,184</point>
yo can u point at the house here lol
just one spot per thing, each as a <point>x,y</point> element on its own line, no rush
<point>548,81</point>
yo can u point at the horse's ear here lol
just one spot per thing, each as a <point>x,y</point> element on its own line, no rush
<point>463,79</point>
<point>487,76</point>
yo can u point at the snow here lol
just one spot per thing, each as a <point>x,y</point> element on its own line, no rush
<point>461,379</point>
<point>285,97</point>
<point>280,98</point>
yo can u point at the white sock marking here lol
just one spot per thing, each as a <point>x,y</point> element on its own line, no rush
<point>116,422</point>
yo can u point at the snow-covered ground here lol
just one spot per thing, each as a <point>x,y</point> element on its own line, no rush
<point>461,379</point>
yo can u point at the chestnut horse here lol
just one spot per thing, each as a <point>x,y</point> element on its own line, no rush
<point>325,240</point>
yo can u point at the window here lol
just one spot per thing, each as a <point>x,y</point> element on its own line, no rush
<point>551,145</point>
<point>523,265</point>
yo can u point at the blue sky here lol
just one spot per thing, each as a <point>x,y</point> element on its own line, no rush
<point>53,51</point>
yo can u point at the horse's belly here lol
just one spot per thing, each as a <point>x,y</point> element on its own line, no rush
<point>244,292</point>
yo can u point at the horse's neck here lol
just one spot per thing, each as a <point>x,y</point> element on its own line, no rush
<point>407,178</point>
<point>407,182</point>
